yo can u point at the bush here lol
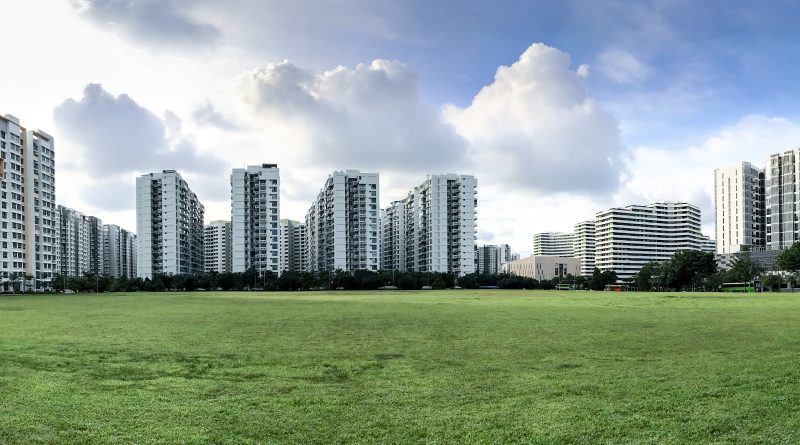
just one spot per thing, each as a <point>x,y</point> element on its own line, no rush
<point>408,282</point>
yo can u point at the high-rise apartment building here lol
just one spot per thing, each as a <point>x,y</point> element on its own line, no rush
<point>739,206</point>
<point>782,201</point>
<point>583,246</point>
<point>393,232</point>
<point>627,238</point>
<point>217,246</point>
<point>169,222</point>
<point>342,223</point>
<point>505,255</point>
<point>255,218</point>
<point>487,259</point>
<point>294,250</point>
<point>28,219</point>
<point>553,244</point>
<point>80,243</point>
<point>433,229</point>
<point>119,252</point>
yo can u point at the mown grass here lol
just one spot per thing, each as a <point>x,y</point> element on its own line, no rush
<point>400,367</point>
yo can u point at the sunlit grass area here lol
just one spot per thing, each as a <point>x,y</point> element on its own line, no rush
<point>400,367</point>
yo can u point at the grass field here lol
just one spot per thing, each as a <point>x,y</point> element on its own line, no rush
<point>430,367</point>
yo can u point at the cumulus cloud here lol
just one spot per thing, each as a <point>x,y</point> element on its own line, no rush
<point>369,117</point>
<point>621,66</point>
<point>664,173</point>
<point>156,22</point>
<point>535,128</point>
<point>208,115</point>
<point>116,135</point>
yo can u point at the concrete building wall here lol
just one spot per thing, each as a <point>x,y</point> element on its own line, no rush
<point>217,246</point>
<point>739,199</point>
<point>393,237</point>
<point>293,246</point>
<point>434,228</point>
<point>169,222</point>
<point>627,238</point>
<point>583,246</point>
<point>29,217</point>
<point>343,223</point>
<point>255,218</point>
<point>488,259</point>
<point>80,247</point>
<point>119,252</point>
<point>782,207</point>
<point>544,268</point>
<point>553,244</point>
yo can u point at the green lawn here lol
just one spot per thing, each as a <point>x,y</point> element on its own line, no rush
<point>445,367</point>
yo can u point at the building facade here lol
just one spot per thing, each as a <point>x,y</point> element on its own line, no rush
<point>553,244</point>
<point>169,222</point>
<point>255,218</point>
<point>119,252</point>
<point>217,246</point>
<point>393,237</point>
<point>343,223</point>
<point>294,250</point>
<point>545,268</point>
<point>29,218</point>
<point>487,259</point>
<point>583,246</point>
<point>739,199</point>
<point>782,203</point>
<point>80,243</point>
<point>434,228</point>
<point>629,237</point>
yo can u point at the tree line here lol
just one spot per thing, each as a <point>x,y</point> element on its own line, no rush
<point>698,271</point>
<point>685,270</point>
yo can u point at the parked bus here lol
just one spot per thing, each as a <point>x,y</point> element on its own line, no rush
<point>737,287</point>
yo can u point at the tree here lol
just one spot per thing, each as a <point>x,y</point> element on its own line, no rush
<point>290,280</point>
<point>600,280</point>
<point>688,268</point>
<point>408,282</point>
<point>646,278</point>
<point>744,269</point>
<point>368,279</point>
<point>345,280</point>
<point>772,281</point>
<point>250,277</point>
<point>14,278</point>
<point>438,283</point>
<point>789,259</point>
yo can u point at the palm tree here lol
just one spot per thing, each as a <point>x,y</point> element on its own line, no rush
<point>26,279</point>
<point>14,277</point>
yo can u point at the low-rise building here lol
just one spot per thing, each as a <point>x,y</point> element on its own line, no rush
<point>544,268</point>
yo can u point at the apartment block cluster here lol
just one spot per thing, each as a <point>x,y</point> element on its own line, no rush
<point>433,229</point>
<point>620,239</point>
<point>757,208</point>
<point>39,238</point>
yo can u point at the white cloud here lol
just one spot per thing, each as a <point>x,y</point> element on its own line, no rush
<point>621,66</point>
<point>117,135</point>
<point>368,117</point>
<point>659,173</point>
<point>535,128</point>
<point>156,22</point>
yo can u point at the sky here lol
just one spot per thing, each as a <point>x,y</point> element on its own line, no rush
<point>561,109</point>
